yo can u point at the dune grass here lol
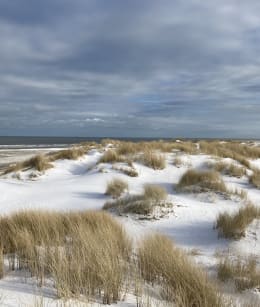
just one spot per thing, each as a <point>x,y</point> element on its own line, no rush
<point>155,192</point>
<point>201,181</point>
<point>39,162</point>
<point>68,154</point>
<point>243,272</point>
<point>230,169</point>
<point>233,226</point>
<point>143,204</point>
<point>111,156</point>
<point>181,282</point>
<point>116,187</point>
<point>255,178</point>
<point>234,150</point>
<point>85,253</point>
<point>153,160</point>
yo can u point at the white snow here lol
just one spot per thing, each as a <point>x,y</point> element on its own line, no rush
<point>80,185</point>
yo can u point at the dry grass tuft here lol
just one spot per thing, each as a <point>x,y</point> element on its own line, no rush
<point>144,204</point>
<point>68,154</point>
<point>85,253</point>
<point>153,160</point>
<point>243,272</point>
<point>230,169</point>
<point>166,266</point>
<point>39,162</point>
<point>255,178</point>
<point>111,156</point>
<point>234,150</point>
<point>201,181</point>
<point>155,192</point>
<point>234,225</point>
<point>116,187</point>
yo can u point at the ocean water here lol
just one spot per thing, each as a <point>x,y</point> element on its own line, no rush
<point>23,142</point>
<point>20,142</point>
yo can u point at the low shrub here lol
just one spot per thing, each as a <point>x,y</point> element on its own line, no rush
<point>116,187</point>
<point>181,282</point>
<point>201,181</point>
<point>234,225</point>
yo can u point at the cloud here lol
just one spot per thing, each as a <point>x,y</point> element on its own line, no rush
<point>130,68</point>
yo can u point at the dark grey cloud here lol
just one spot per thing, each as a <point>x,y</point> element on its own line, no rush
<point>130,68</point>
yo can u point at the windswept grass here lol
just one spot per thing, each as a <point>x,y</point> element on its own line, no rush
<point>234,150</point>
<point>234,225</point>
<point>155,192</point>
<point>111,156</point>
<point>38,162</point>
<point>243,272</point>
<point>153,160</point>
<point>144,204</point>
<point>230,169</point>
<point>181,282</point>
<point>201,181</point>
<point>255,178</point>
<point>116,187</point>
<point>85,253</point>
<point>68,154</point>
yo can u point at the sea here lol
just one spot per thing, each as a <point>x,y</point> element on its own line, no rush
<point>34,142</point>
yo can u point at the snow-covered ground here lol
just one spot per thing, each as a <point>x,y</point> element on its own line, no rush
<point>80,185</point>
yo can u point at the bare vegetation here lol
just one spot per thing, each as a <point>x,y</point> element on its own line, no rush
<point>68,154</point>
<point>233,150</point>
<point>243,272</point>
<point>155,192</point>
<point>230,169</point>
<point>181,282</point>
<point>144,204</point>
<point>39,162</point>
<point>255,178</point>
<point>201,181</point>
<point>153,160</point>
<point>129,171</point>
<point>111,156</point>
<point>85,253</point>
<point>116,187</point>
<point>234,225</point>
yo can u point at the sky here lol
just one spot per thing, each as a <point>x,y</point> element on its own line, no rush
<point>130,68</point>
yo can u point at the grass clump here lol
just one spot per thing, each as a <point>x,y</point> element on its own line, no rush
<point>201,181</point>
<point>85,253</point>
<point>116,187</point>
<point>143,204</point>
<point>155,192</point>
<point>255,179</point>
<point>230,169</point>
<point>234,225</point>
<point>243,272</point>
<point>181,282</point>
<point>68,154</point>
<point>39,162</point>
<point>234,150</point>
<point>111,156</point>
<point>153,160</point>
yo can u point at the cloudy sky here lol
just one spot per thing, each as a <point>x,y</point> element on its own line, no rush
<point>168,68</point>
